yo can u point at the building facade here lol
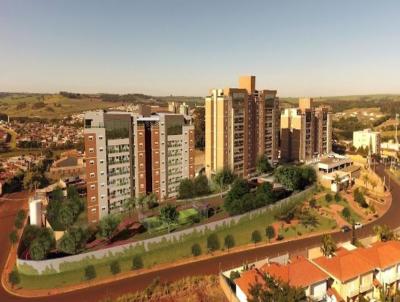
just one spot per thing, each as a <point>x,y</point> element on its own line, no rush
<point>367,139</point>
<point>130,155</point>
<point>306,132</point>
<point>241,125</point>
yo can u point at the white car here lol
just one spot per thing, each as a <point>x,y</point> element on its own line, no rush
<point>358,225</point>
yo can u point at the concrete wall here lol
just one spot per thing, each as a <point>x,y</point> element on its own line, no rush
<point>53,265</point>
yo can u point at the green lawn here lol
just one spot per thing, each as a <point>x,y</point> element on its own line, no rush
<point>353,215</point>
<point>168,252</point>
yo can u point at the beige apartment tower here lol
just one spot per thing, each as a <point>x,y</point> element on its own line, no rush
<point>241,125</point>
<point>306,132</point>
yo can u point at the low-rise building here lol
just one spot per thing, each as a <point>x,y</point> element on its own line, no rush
<point>336,172</point>
<point>299,272</point>
<point>351,275</point>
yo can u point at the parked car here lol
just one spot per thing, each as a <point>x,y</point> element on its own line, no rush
<point>358,225</point>
<point>345,229</point>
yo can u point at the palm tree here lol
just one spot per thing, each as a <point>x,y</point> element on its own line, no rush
<point>328,247</point>
<point>336,180</point>
<point>365,178</point>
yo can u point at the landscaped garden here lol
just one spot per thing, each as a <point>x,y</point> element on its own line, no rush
<point>291,219</point>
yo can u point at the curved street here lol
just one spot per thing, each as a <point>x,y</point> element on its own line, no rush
<point>207,266</point>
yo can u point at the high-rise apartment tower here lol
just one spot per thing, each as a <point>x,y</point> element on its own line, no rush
<point>242,124</point>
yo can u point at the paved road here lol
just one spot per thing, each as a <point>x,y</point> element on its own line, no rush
<point>209,266</point>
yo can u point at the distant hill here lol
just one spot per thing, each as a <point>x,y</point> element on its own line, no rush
<point>66,103</point>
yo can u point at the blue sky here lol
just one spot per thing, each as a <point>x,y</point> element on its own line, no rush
<point>184,47</point>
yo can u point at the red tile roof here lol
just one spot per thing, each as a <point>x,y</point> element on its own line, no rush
<point>345,265</point>
<point>300,272</point>
<point>381,254</point>
<point>249,279</point>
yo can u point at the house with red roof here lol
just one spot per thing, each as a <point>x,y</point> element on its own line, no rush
<point>299,272</point>
<point>385,257</point>
<point>350,274</point>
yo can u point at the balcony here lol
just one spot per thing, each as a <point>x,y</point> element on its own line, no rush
<point>365,287</point>
<point>352,292</point>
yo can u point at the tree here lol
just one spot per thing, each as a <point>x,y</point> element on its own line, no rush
<point>169,215</point>
<point>213,242</point>
<point>13,236</point>
<point>37,250</point>
<point>233,200</point>
<point>346,213</point>
<point>199,127</point>
<point>18,223</point>
<point>115,267</point>
<point>137,262</point>
<point>359,198</point>
<point>255,237</point>
<point>90,272</point>
<point>275,290</point>
<point>14,278</point>
<point>196,249</point>
<point>224,178</point>
<point>270,232</point>
<point>365,179</point>
<point>263,165</point>
<point>108,226</point>
<point>289,177</point>
<point>200,185</point>
<point>384,233</point>
<point>229,241</point>
<point>73,241</point>
<point>186,189</point>
<point>130,205</point>
<point>328,246</point>
<point>337,197</point>
<point>21,214</point>
<point>66,216</point>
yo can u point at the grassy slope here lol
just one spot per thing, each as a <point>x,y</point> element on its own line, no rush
<point>57,106</point>
<point>167,252</point>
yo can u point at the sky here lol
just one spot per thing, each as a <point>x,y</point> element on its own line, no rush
<point>186,47</point>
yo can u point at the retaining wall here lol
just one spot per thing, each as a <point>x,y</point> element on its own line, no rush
<point>51,266</point>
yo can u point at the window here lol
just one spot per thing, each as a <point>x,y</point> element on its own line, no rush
<point>90,137</point>
<point>91,162</point>
<point>101,149</point>
<point>92,175</point>
<point>92,187</point>
<point>102,161</point>
<point>100,137</point>
<point>102,173</point>
<point>91,150</point>
<point>93,198</point>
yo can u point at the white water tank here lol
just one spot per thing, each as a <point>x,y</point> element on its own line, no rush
<point>35,212</point>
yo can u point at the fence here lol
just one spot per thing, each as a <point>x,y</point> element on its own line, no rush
<point>33,267</point>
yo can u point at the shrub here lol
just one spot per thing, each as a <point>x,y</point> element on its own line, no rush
<point>137,262</point>
<point>328,197</point>
<point>90,272</point>
<point>115,268</point>
<point>14,278</point>
<point>270,232</point>
<point>13,236</point>
<point>229,241</point>
<point>196,249</point>
<point>280,237</point>
<point>255,236</point>
<point>312,203</point>
<point>346,213</point>
<point>337,197</point>
<point>234,275</point>
<point>213,242</point>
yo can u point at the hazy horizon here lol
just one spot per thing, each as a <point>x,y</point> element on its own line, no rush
<point>185,48</point>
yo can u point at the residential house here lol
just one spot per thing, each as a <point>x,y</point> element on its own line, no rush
<point>350,275</point>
